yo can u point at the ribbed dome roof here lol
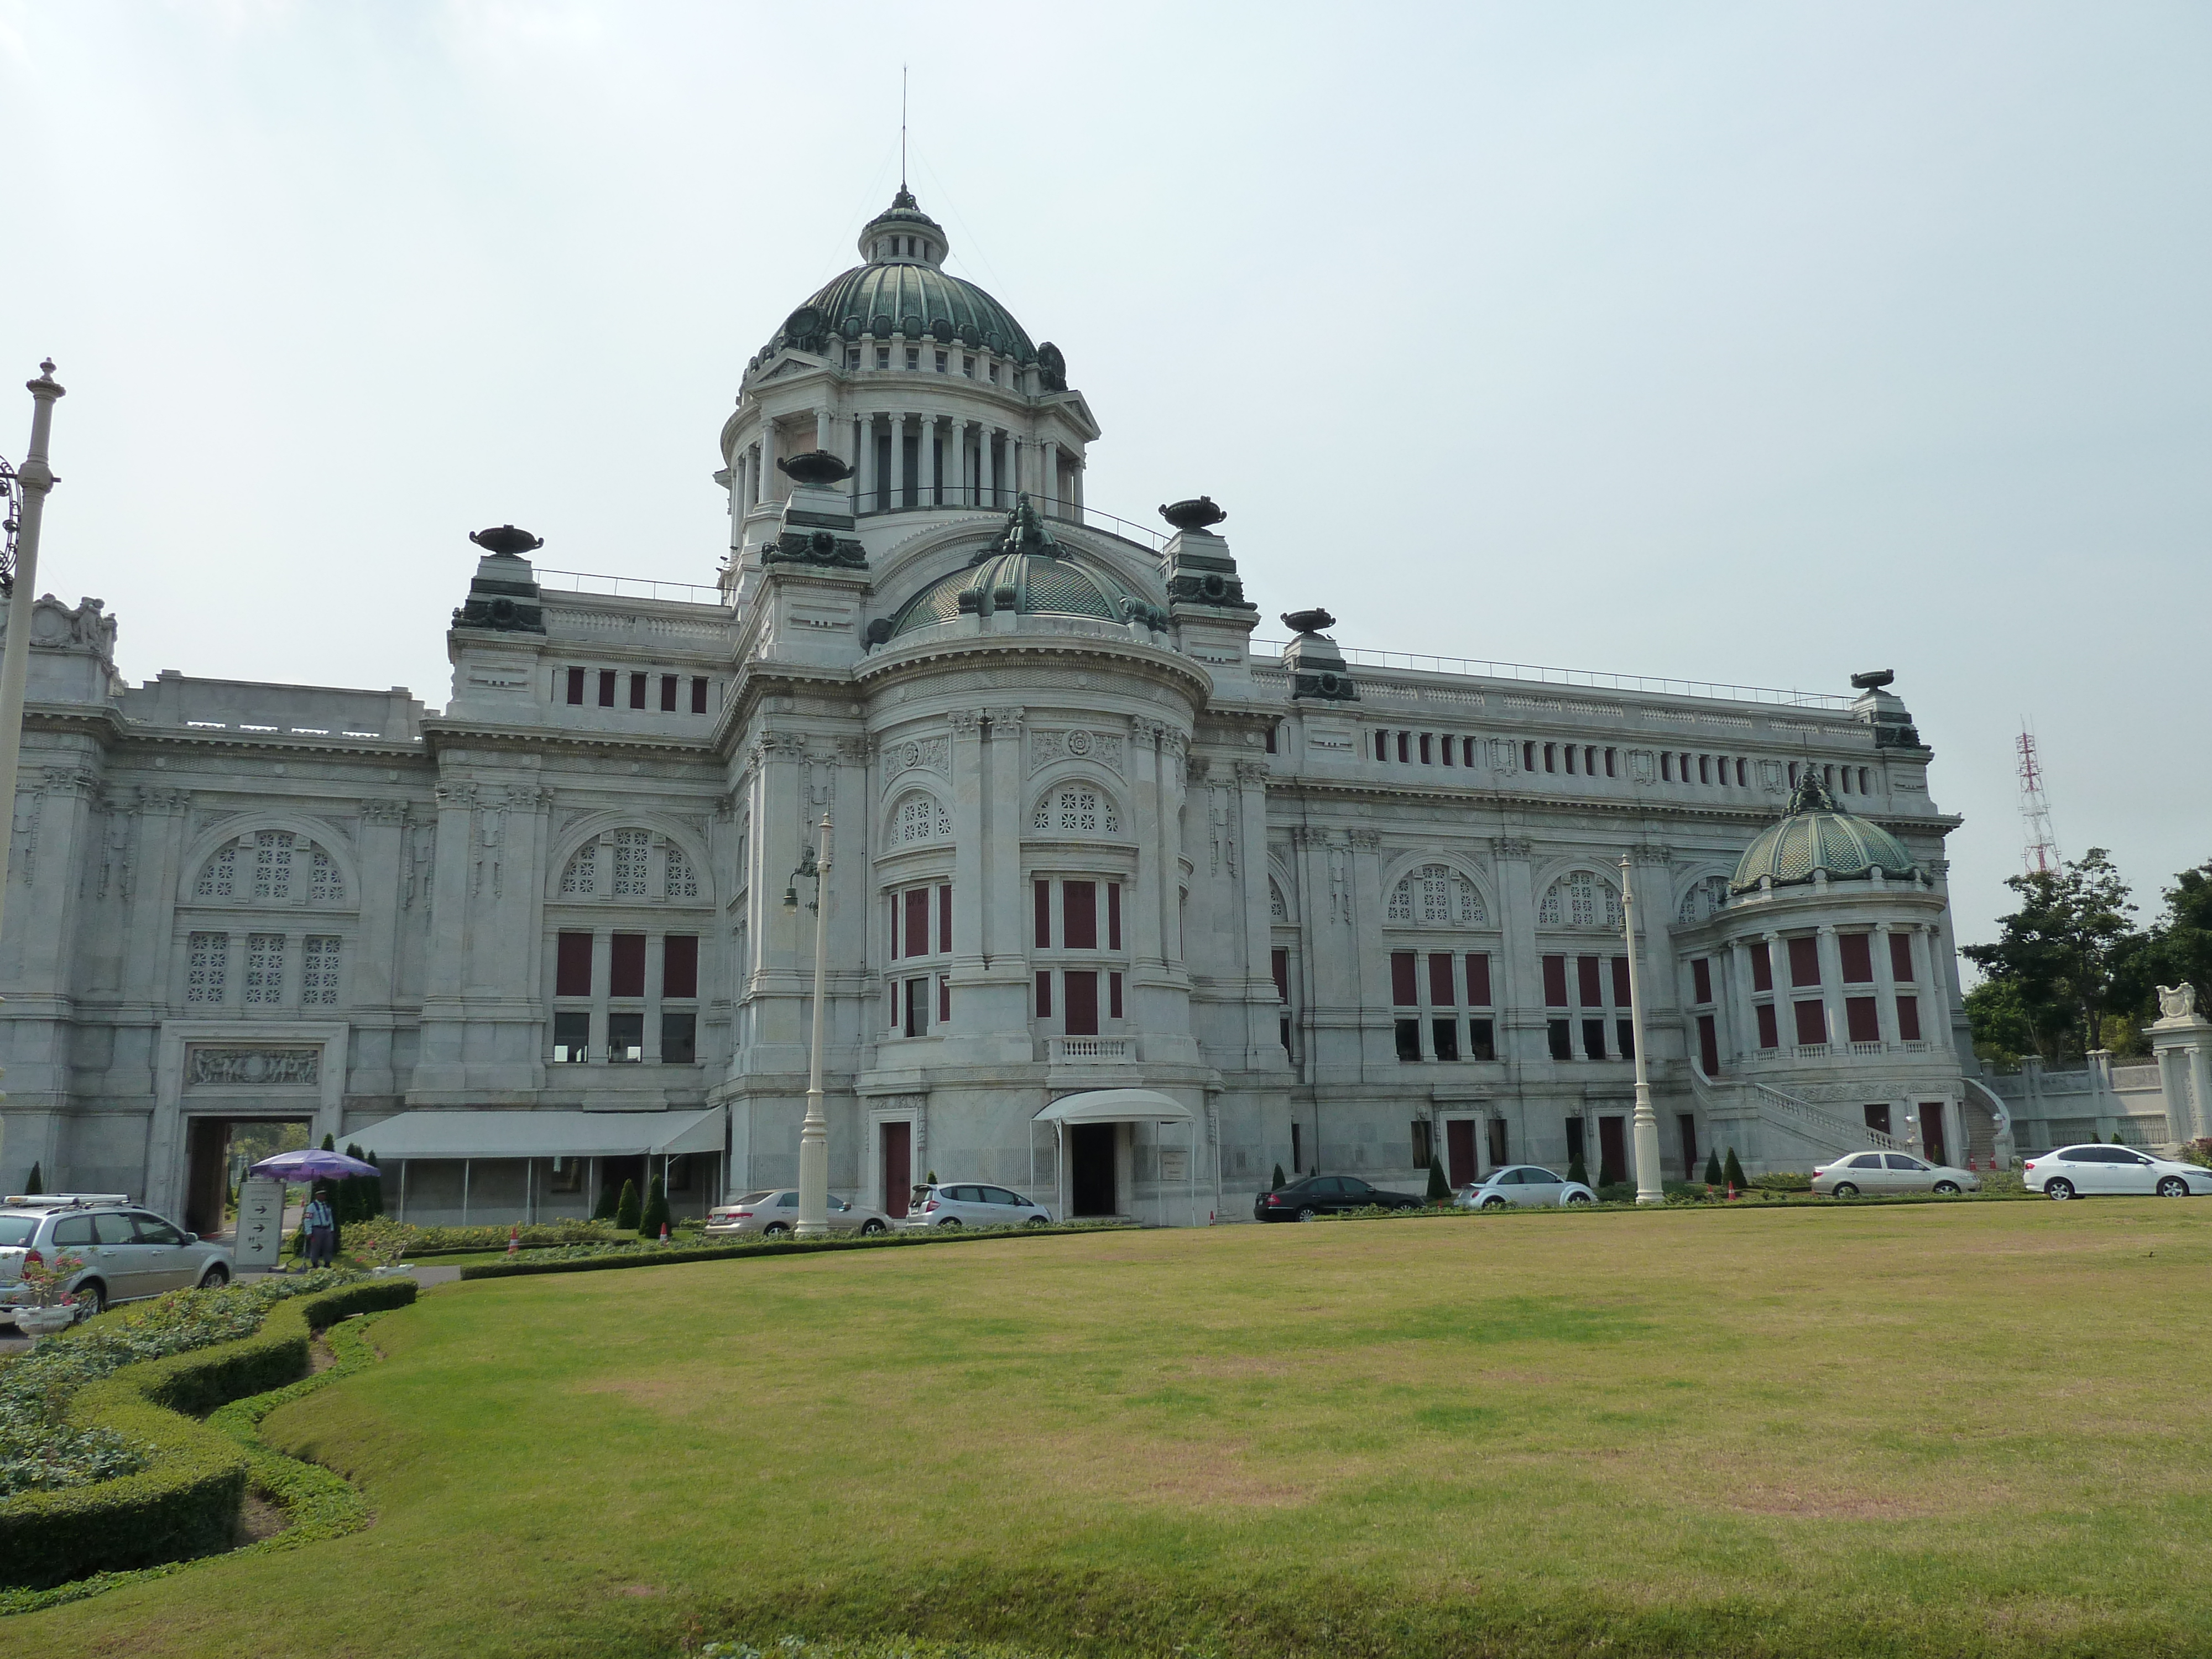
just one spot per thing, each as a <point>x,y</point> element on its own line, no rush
<point>1026,571</point>
<point>903,290</point>
<point>1815,833</point>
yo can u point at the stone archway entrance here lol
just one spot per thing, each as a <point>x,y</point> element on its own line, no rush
<point>216,1149</point>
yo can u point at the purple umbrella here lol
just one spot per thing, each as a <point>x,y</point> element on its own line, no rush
<point>313,1165</point>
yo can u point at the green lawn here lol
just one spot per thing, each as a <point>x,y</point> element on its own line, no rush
<point>1961,1429</point>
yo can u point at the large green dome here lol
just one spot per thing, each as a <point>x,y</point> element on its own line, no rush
<point>1815,833</point>
<point>903,289</point>
<point>1026,571</point>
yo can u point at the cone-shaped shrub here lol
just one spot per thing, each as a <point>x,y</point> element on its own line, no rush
<point>374,1186</point>
<point>1439,1188</point>
<point>1713,1166</point>
<point>1733,1170</point>
<point>1277,1186</point>
<point>36,1184</point>
<point>605,1209</point>
<point>656,1210</point>
<point>329,1144</point>
<point>626,1211</point>
<point>1576,1171</point>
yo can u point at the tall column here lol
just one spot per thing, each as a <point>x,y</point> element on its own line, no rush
<point>1936,1013</point>
<point>969,881</point>
<point>1520,987</point>
<point>767,458</point>
<point>932,477</point>
<point>1006,910</point>
<point>898,462</point>
<point>1173,747</point>
<point>987,472</point>
<point>824,431</point>
<point>957,453</point>
<point>1742,1015</point>
<point>1016,482</point>
<point>1832,980</point>
<point>1147,951</point>
<point>1885,983</point>
<point>1262,1047</point>
<point>865,468</point>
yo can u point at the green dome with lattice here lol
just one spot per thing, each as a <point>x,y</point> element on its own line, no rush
<point>1026,571</point>
<point>1814,835</point>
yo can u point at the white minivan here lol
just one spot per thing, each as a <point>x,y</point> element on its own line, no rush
<point>971,1204</point>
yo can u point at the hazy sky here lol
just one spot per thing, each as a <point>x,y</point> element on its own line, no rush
<point>1751,343</point>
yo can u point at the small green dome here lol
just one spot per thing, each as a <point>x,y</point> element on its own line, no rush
<point>1026,571</point>
<point>1815,833</point>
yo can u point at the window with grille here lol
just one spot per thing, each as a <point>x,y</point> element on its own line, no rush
<point>1436,896</point>
<point>318,973</point>
<point>581,878</point>
<point>921,817</point>
<point>633,853</point>
<point>265,968</point>
<point>1703,899</point>
<point>207,960</point>
<point>278,868</point>
<point>1076,810</point>
<point>680,882</point>
<point>1581,898</point>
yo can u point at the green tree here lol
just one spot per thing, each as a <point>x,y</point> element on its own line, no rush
<point>1577,1171</point>
<point>2178,949</point>
<point>329,1144</point>
<point>1713,1176</point>
<point>656,1210</point>
<point>1278,1185</point>
<point>627,1214</point>
<point>1439,1188</point>
<point>2061,951</point>
<point>2004,1030</point>
<point>604,1210</point>
<point>36,1184</point>
<point>1734,1171</point>
<point>374,1187</point>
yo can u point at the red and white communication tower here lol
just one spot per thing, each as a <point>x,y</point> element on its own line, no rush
<point>2038,840</point>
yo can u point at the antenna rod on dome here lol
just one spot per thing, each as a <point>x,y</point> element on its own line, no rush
<point>901,129</point>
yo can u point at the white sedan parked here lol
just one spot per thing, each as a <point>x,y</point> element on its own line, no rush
<point>1890,1172</point>
<point>2079,1171</point>
<point>1523,1185</point>
<point>968,1204</point>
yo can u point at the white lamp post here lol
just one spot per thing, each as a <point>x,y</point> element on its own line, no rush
<point>814,1134</point>
<point>1648,1188</point>
<point>33,478</point>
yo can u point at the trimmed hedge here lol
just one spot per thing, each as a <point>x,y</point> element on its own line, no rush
<point>188,1500</point>
<point>654,1257</point>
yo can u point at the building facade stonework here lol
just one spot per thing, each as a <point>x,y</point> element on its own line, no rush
<point>1289,909</point>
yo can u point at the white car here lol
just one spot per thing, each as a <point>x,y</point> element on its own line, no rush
<point>1524,1185</point>
<point>2080,1171</point>
<point>1855,1173</point>
<point>774,1214</point>
<point>971,1204</point>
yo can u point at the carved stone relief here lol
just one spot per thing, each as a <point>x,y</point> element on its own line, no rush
<point>253,1068</point>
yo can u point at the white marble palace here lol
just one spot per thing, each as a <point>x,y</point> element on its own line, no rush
<point>1125,909</point>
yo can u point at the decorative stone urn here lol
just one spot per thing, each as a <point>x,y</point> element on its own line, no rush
<point>43,1321</point>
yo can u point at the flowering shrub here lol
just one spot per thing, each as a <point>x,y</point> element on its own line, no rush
<point>44,1279</point>
<point>2199,1153</point>
<point>39,1447</point>
<point>381,1242</point>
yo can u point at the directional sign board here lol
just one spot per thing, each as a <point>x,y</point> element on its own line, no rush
<point>260,1224</point>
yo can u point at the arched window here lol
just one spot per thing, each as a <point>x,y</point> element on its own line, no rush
<point>680,883</point>
<point>1703,900</point>
<point>633,853</point>
<point>629,865</point>
<point>920,817</point>
<point>271,867</point>
<point>1076,809</point>
<point>1581,899</point>
<point>581,878</point>
<point>1276,907</point>
<point>1436,896</point>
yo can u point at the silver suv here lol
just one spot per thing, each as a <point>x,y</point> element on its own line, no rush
<point>972,1205</point>
<point>128,1252</point>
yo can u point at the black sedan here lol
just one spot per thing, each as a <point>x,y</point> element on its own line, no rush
<point>1319,1195</point>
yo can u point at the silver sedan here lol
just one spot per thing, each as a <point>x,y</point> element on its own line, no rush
<point>774,1214</point>
<point>1871,1172</point>
<point>1526,1186</point>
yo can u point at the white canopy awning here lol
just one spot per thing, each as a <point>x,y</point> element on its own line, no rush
<point>528,1133</point>
<point>1116,1106</point>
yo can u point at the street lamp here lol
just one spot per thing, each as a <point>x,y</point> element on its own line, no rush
<point>24,488</point>
<point>1648,1189</point>
<point>814,1133</point>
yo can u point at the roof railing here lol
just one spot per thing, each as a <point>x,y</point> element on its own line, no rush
<point>631,587</point>
<point>1595,680</point>
<point>959,497</point>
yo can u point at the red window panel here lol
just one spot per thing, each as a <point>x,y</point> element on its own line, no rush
<point>1705,768</point>
<point>1666,766</point>
<point>1609,755</point>
<point>917,920</point>
<point>1449,744</point>
<point>637,691</point>
<point>679,965</point>
<point>1382,745</point>
<point>1762,968</point>
<point>1044,894</point>
<point>1588,983</point>
<point>1440,981</point>
<point>1621,981</point>
<point>1769,1037</point>
<point>1280,962</point>
<point>698,693</point>
<point>1403,746</point>
<point>606,688</point>
<point>1709,1046</point>
<point>1555,981</point>
<point>668,694</point>
<point>1860,1020</point>
<point>1044,996</point>
<point>945,916</point>
<point>1571,760</point>
<point>1701,979</point>
<point>895,916</point>
<point>575,686</point>
<point>1403,990</point>
<point>1812,1021</point>
<point>1551,757</point>
<point>1528,757</point>
<point>1113,915</point>
<point>1082,1011</point>
<point>1477,979</point>
<point>572,972</point>
<point>1113,996</point>
<point>626,965</point>
<point>1467,752</point>
<point>1908,1019</point>
<point>1900,958</point>
<point>1078,912</point>
<point>1804,961</point>
<point>1857,950</point>
<point>1426,753</point>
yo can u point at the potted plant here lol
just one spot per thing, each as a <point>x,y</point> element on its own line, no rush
<point>52,1308</point>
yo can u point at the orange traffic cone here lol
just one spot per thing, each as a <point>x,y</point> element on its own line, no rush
<point>514,1240</point>
<point>664,1232</point>
<point>1731,1189</point>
